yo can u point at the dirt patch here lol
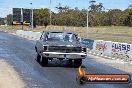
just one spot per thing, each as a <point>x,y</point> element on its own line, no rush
<point>9,77</point>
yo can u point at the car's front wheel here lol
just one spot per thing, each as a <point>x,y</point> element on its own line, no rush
<point>44,61</point>
<point>38,58</point>
<point>77,62</point>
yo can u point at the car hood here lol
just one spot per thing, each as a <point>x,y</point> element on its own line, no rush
<point>62,43</point>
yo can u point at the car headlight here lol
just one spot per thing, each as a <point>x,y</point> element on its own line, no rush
<point>45,48</point>
<point>84,49</point>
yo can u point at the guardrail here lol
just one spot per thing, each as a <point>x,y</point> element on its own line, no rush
<point>106,49</point>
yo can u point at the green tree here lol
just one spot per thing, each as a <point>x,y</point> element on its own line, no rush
<point>2,21</point>
<point>9,19</point>
<point>40,15</point>
<point>128,20</point>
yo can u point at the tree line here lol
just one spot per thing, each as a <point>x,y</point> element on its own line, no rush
<point>76,17</point>
<point>97,16</point>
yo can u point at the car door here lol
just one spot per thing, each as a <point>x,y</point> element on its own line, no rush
<point>39,43</point>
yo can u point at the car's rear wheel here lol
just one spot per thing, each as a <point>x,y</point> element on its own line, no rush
<point>44,61</point>
<point>77,62</point>
<point>38,58</point>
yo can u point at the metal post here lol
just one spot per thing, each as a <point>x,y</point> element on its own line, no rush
<point>87,22</point>
<point>31,16</point>
<point>22,17</point>
<point>50,13</point>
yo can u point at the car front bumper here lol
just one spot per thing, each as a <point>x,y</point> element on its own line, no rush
<point>64,55</point>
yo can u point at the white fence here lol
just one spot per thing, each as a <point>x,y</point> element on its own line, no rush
<point>107,49</point>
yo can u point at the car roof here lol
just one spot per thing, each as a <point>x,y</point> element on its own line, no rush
<point>60,31</point>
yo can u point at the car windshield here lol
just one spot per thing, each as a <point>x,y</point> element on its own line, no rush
<point>60,36</point>
<point>70,37</point>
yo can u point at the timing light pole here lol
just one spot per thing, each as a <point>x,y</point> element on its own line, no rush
<point>50,13</point>
<point>22,17</point>
<point>87,21</point>
<point>31,16</point>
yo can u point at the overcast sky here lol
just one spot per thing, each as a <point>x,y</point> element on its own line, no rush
<point>7,5</point>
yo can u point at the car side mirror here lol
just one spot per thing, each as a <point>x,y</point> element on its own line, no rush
<point>79,39</point>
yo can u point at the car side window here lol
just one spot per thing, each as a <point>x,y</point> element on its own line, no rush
<point>46,36</point>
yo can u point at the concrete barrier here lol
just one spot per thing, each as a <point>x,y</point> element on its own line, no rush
<point>121,51</point>
<point>29,34</point>
<point>107,49</point>
<point>38,35</point>
<point>100,47</point>
<point>130,52</point>
<point>19,32</point>
<point>111,50</point>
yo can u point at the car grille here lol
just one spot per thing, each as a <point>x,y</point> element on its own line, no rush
<point>64,49</point>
